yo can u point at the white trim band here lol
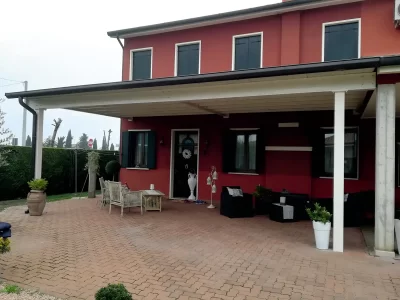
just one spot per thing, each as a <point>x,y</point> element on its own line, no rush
<point>288,148</point>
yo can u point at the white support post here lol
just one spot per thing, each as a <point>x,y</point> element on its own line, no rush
<point>385,170</point>
<point>39,143</point>
<point>338,172</point>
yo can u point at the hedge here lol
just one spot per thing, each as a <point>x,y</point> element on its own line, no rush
<point>58,168</point>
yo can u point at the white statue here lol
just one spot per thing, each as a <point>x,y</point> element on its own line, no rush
<point>192,181</point>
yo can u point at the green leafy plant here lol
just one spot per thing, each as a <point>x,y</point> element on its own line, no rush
<point>11,289</point>
<point>113,167</point>
<point>113,292</point>
<point>262,192</point>
<point>4,245</point>
<point>38,184</point>
<point>319,214</point>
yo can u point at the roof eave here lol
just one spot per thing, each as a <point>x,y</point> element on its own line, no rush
<point>239,15</point>
<point>363,63</point>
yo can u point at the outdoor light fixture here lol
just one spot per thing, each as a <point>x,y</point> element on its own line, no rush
<point>212,177</point>
<point>206,143</point>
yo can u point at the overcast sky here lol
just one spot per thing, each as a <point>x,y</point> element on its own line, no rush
<point>62,43</point>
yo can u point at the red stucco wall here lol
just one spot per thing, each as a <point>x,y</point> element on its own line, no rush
<point>290,170</point>
<point>290,38</point>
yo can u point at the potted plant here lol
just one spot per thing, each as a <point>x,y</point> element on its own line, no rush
<point>112,168</point>
<point>263,197</point>
<point>36,199</point>
<point>321,224</point>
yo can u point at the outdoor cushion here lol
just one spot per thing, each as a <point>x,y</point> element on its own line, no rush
<point>5,230</point>
<point>235,192</point>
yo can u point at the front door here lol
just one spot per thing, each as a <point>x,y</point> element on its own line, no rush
<point>185,161</point>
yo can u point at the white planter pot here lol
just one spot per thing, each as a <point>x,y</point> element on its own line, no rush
<point>397,230</point>
<point>192,181</point>
<point>322,233</point>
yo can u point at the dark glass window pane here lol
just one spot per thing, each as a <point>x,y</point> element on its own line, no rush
<point>252,151</point>
<point>141,65</point>
<point>240,154</point>
<point>341,41</point>
<point>141,148</point>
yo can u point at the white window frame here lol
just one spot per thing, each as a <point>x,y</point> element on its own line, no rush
<point>247,35</point>
<point>324,25</point>
<point>139,50</point>
<point>176,54</point>
<point>358,151</point>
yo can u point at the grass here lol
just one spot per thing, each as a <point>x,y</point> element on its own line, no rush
<point>52,198</point>
<point>11,289</point>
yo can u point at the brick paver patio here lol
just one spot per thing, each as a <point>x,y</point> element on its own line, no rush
<point>186,252</point>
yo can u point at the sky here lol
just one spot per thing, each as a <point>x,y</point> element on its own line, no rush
<point>63,43</point>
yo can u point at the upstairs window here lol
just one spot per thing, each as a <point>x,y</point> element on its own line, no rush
<point>187,59</point>
<point>141,63</point>
<point>138,149</point>
<point>341,40</point>
<point>247,51</point>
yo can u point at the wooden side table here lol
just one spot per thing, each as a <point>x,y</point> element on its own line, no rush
<point>152,199</point>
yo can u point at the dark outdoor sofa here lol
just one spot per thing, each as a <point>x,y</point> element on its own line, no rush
<point>236,207</point>
<point>299,201</point>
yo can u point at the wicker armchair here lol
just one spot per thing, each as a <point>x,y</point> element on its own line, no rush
<point>121,196</point>
<point>105,193</point>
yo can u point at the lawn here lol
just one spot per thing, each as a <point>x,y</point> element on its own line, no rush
<point>51,198</point>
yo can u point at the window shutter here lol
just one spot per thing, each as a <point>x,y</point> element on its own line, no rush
<point>151,150</point>
<point>254,52</point>
<point>141,65</point>
<point>241,53</point>
<point>188,60</point>
<point>260,152</point>
<point>318,147</point>
<point>341,41</point>
<point>125,150</point>
<point>228,151</point>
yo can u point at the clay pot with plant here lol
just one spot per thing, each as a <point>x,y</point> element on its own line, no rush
<point>36,199</point>
<point>263,197</point>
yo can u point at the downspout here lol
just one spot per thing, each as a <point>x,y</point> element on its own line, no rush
<point>122,68</point>
<point>34,126</point>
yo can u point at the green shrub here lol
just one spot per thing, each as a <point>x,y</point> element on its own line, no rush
<point>58,168</point>
<point>113,167</point>
<point>262,192</point>
<point>113,292</point>
<point>11,289</point>
<point>4,245</point>
<point>319,214</point>
<point>38,184</point>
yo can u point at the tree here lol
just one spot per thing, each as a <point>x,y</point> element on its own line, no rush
<point>108,141</point>
<point>68,140</point>
<point>112,147</point>
<point>95,144</point>
<point>28,142</point>
<point>60,142</point>
<point>47,142</point>
<point>5,138</point>
<point>56,125</point>
<point>104,144</point>
<point>83,141</point>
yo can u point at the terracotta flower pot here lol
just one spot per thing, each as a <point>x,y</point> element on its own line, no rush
<point>36,201</point>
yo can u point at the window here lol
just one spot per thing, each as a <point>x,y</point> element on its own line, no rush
<point>138,149</point>
<point>141,63</point>
<point>243,151</point>
<point>350,153</point>
<point>341,40</point>
<point>247,52</point>
<point>187,60</point>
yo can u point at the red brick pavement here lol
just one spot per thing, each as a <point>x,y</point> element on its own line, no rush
<point>186,252</point>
